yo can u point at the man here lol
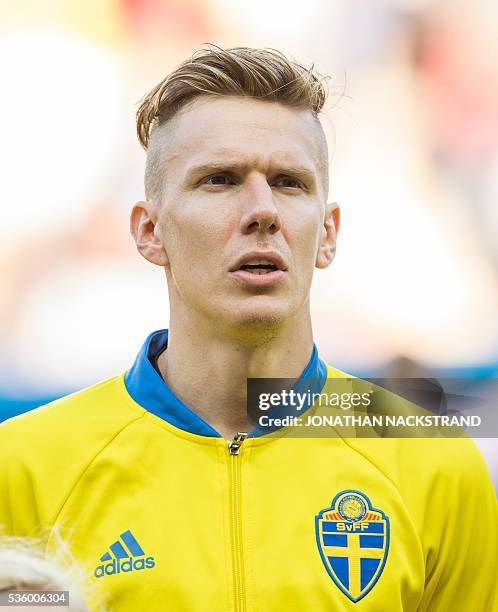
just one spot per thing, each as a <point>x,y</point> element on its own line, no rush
<point>164,513</point>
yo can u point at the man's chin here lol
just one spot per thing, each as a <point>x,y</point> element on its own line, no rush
<point>256,320</point>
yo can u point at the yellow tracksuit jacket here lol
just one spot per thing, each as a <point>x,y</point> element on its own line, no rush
<point>164,514</point>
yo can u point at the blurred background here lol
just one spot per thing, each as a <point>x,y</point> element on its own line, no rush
<point>412,121</point>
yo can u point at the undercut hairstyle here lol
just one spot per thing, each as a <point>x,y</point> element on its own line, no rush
<point>262,74</point>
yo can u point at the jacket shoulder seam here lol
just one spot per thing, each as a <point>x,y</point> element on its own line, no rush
<point>89,465</point>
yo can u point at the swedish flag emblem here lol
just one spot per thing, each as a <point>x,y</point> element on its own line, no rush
<point>353,540</point>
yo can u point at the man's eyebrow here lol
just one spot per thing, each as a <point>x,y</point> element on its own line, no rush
<point>299,171</point>
<point>215,166</point>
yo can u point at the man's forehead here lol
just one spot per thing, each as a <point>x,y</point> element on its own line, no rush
<point>233,126</point>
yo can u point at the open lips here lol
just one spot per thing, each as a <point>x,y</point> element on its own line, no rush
<point>260,263</point>
<point>259,269</point>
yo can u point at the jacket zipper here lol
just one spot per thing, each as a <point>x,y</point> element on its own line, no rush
<point>234,449</point>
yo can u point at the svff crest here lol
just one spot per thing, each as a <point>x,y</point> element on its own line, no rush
<point>353,540</point>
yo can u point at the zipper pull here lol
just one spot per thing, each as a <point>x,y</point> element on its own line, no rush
<point>235,444</point>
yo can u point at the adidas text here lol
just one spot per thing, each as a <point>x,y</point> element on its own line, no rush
<point>116,566</point>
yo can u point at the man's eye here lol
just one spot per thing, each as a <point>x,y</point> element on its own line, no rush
<point>288,182</point>
<point>219,179</point>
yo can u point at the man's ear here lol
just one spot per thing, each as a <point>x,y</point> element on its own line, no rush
<point>143,222</point>
<point>328,235</point>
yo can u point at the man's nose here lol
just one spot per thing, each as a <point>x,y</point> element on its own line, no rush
<point>260,210</point>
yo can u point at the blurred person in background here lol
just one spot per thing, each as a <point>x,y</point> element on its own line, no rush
<point>167,492</point>
<point>25,567</point>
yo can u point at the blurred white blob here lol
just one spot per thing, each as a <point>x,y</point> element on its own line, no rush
<point>86,322</point>
<point>418,276</point>
<point>275,18</point>
<point>489,209</point>
<point>61,108</point>
<point>411,276</point>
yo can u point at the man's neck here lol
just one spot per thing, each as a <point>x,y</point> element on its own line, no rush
<point>208,369</point>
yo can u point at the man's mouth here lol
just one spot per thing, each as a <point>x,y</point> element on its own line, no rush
<point>259,269</point>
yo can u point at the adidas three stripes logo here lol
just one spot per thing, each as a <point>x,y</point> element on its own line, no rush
<point>118,548</point>
<point>126,555</point>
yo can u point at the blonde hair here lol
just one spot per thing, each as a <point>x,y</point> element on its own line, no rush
<point>262,74</point>
<point>240,71</point>
<point>25,566</point>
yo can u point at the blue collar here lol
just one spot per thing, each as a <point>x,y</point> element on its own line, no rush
<point>147,387</point>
